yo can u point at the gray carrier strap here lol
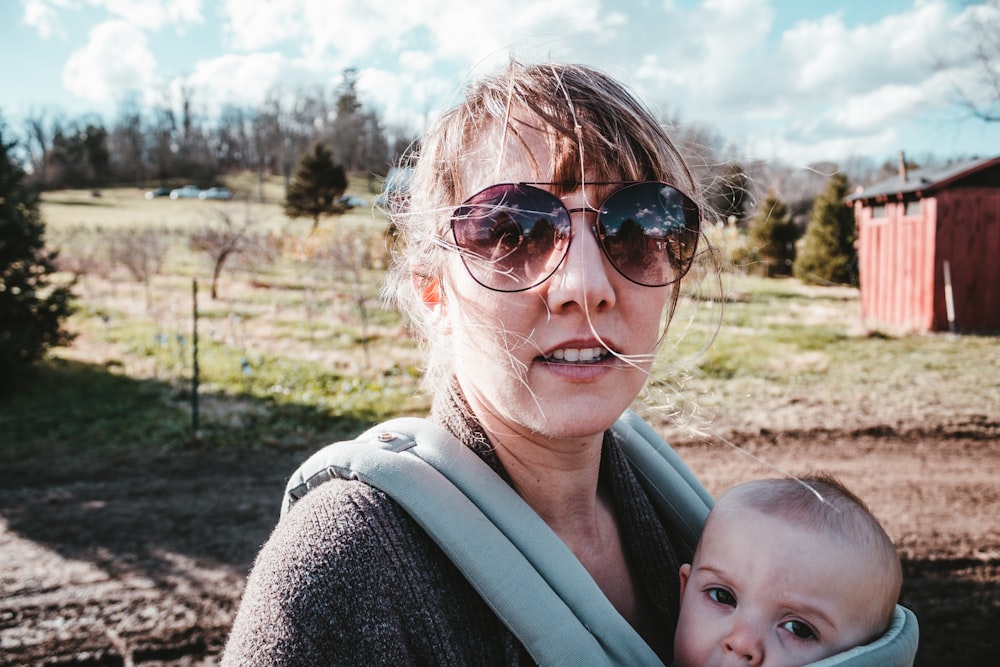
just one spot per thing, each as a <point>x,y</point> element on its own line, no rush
<point>523,571</point>
<point>675,490</point>
<point>896,648</point>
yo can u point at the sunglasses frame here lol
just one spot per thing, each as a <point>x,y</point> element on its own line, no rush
<point>596,228</point>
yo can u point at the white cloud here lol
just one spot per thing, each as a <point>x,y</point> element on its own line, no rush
<point>242,79</point>
<point>853,87</point>
<point>710,59</point>
<point>43,16</point>
<point>827,57</point>
<point>821,86</point>
<point>485,34</point>
<point>154,14</point>
<point>824,83</point>
<point>885,141</point>
<point>116,60</point>
<point>418,53</point>
<point>717,63</point>
<point>258,24</point>
<point>399,97</point>
<point>46,16</point>
<point>464,33</point>
<point>890,103</point>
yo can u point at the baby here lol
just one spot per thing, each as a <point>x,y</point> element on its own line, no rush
<point>787,572</point>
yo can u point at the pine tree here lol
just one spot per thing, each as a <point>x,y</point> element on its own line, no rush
<point>317,186</point>
<point>32,309</point>
<point>828,254</point>
<point>773,236</point>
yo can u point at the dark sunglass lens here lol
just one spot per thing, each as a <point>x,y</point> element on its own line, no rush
<point>508,234</point>
<point>649,232</point>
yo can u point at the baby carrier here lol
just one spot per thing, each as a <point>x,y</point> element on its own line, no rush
<point>523,571</point>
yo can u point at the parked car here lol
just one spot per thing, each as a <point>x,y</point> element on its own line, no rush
<point>216,193</point>
<point>396,185</point>
<point>350,201</point>
<point>187,192</point>
<point>158,192</point>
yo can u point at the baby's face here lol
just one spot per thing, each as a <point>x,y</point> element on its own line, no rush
<point>762,591</point>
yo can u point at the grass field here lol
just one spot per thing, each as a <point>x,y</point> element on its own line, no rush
<point>126,535</point>
<point>284,359</point>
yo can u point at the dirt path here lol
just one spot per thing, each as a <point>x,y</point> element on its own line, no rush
<point>144,565</point>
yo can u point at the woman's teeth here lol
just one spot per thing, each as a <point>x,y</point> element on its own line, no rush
<point>575,355</point>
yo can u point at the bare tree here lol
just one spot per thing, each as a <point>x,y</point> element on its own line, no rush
<point>348,255</point>
<point>126,143</point>
<point>83,252</point>
<point>982,97</point>
<point>38,144</point>
<point>222,239</point>
<point>162,143</point>
<point>233,143</point>
<point>142,251</point>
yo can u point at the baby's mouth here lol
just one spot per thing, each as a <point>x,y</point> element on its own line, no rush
<point>577,355</point>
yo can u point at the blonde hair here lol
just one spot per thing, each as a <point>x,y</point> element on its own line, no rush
<point>587,117</point>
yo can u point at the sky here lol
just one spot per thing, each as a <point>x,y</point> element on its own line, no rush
<point>798,81</point>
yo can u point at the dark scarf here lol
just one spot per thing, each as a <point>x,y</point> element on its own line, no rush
<point>653,553</point>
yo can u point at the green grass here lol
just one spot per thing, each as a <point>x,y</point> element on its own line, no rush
<point>281,362</point>
<point>279,357</point>
<point>78,419</point>
<point>799,345</point>
<point>71,411</point>
<point>781,343</point>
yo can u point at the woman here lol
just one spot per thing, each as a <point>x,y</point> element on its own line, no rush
<point>545,231</point>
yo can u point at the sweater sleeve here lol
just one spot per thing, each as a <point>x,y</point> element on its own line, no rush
<point>348,578</point>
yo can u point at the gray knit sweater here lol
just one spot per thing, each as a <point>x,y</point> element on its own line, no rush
<point>348,578</point>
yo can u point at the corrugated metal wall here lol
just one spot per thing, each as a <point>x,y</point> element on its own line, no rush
<point>895,255</point>
<point>901,262</point>
<point>968,238</point>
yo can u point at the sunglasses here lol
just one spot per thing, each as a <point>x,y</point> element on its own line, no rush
<point>513,236</point>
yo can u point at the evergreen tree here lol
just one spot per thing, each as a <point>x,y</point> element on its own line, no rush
<point>31,308</point>
<point>828,254</point>
<point>773,236</point>
<point>317,186</point>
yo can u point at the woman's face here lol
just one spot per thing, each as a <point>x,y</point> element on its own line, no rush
<point>565,358</point>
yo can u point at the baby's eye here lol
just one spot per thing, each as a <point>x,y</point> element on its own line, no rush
<point>722,596</point>
<point>799,629</point>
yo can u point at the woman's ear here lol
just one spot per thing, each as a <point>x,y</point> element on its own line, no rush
<point>430,291</point>
<point>432,295</point>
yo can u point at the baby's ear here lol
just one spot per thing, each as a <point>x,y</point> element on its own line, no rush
<point>685,573</point>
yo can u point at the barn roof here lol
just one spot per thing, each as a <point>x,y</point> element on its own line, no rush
<point>924,180</point>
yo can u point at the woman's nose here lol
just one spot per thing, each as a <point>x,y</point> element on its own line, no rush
<point>745,642</point>
<point>583,278</point>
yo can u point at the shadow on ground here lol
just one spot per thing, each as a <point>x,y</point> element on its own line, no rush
<point>124,542</point>
<point>123,538</point>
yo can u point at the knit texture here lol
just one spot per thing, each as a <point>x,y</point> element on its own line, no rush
<point>348,578</point>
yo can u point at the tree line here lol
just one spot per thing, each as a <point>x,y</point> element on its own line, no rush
<point>784,220</point>
<point>176,142</point>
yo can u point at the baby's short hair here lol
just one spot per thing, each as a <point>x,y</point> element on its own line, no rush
<point>821,502</point>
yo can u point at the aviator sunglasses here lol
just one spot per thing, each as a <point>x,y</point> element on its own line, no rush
<point>513,236</point>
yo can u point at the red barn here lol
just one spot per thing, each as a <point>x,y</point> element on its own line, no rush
<point>929,249</point>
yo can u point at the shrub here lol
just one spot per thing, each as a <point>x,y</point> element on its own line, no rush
<point>773,236</point>
<point>32,309</point>
<point>317,186</point>
<point>828,254</point>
